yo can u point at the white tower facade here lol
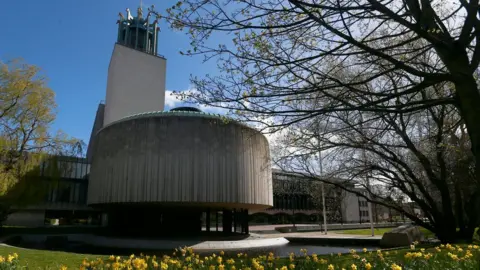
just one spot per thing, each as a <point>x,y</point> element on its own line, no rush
<point>136,74</point>
<point>135,84</point>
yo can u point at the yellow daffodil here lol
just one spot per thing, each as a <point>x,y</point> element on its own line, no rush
<point>396,267</point>
<point>453,256</point>
<point>368,266</point>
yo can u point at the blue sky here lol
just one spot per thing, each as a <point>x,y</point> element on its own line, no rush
<point>72,41</point>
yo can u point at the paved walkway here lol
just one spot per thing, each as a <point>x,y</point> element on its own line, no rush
<point>250,242</point>
<point>253,241</point>
<point>255,228</point>
<point>267,238</point>
<point>346,226</point>
<point>320,235</point>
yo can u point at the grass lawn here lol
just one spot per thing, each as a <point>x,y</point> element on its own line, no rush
<point>40,259</point>
<point>380,231</point>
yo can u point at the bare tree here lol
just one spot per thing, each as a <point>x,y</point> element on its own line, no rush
<point>397,64</point>
<point>419,157</point>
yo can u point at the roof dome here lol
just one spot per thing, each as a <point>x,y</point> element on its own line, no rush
<point>186,109</point>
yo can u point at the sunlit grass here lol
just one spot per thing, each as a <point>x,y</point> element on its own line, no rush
<point>380,231</point>
<point>440,257</point>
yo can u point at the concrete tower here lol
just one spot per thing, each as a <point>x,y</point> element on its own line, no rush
<point>136,74</point>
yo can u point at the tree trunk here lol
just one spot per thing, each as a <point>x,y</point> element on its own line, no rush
<point>464,235</point>
<point>469,105</point>
<point>445,235</point>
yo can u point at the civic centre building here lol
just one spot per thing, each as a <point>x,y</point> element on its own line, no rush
<point>179,171</point>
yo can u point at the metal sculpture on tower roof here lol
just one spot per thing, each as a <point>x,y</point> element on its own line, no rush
<point>138,32</point>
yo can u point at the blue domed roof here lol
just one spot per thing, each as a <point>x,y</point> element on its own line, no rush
<point>186,109</point>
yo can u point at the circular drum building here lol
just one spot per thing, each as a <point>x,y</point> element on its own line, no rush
<point>163,171</point>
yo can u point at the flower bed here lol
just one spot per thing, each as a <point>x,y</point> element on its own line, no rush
<point>440,257</point>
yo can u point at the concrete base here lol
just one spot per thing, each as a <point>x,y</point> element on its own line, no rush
<point>146,244</point>
<point>402,236</point>
<point>286,229</point>
<point>158,244</point>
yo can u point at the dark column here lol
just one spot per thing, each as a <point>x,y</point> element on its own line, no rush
<point>216,220</point>
<point>227,221</point>
<point>242,219</point>
<point>245,216</point>
<point>182,222</point>
<point>207,222</point>
<point>121,223</point>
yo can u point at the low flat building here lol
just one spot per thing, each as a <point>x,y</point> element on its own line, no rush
<point>66,201</point>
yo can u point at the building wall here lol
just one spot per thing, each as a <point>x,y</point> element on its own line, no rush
<point>97,125</point>
<point>181,159</point>
<point>62,187</point>
<point>27,218</point>
<point>363,210</point>
<point>351,208</point>
<point>69,193</point>
<point>135,84</point>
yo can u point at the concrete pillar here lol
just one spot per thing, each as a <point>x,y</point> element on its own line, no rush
<point>104,220</point>
<point>234,220</point>
<point>207,220</point>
